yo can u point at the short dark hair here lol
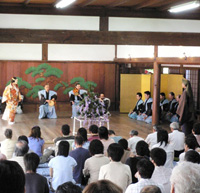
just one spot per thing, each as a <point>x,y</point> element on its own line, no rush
<point>63,148</point>
<point>83,133</point>
<point>21,148</point>
<point>93,129</point>
<point>103,133</point>
<point>139,94</point>
<point>142,148</point>
<point>147,93</point>
<point>191,142</point>
<point>8,133</point>
<point>162,136</point>
<point>13,79</point>
<point>150,189</point>
<point>162,94</point>
<point>96,147</point>
<point>65,129</point>
<point>196,128</point>
<point>12,177</point>
<point>145,168</point>
<point>172,93</point>
<point>159,156</point>
<point>124,143</point>
<point>35,132</point>
<point>111,132</point>
<point>31,161</point>
<point>68,187</point>
<point>79,140</point>
<point>192,156</point>
<point>115,151</point>
<point>23,138</point>
<point>77,84</point>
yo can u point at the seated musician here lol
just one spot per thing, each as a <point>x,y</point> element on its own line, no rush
<point>138,107</point>
<point>75,96</point>
<point>163,106</point>
<point>47,103</point>
<point>105,101</point>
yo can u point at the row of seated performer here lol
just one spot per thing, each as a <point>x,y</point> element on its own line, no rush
<point>143,109</point>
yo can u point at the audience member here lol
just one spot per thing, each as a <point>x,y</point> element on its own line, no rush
<point>142,151</point>
<point>161,174</point>
<point>68,187</point>
<point>127,152</point>
<point>185,178</point>
<point>62,166</point>
<point>12,177</point>
<point>2,157</point>
<point>102,186</point>
<point>103,135</point>
<point>175,117</point>
<point>92,165</point>
<point>80,154</point>
<point>196,132</point>
<point>23,138</point>
<point>35,183</point>
<point>113,136</point>
<point>133,140</point>
<point>8,145</point>
<point>150,189</point>
<point>163,105</point>
<point>162,137</point>
<point>93,130</point>
<point>115,171</point>
<point>192,156</point>
<point>171,106</point>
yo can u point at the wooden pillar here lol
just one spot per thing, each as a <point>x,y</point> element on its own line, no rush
<point>44,52</point>
<point>103,23</point>
<point>156,88</point>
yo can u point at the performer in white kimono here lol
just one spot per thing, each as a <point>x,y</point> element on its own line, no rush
<point>47,103</point>
<point>105,102</point>
<point>75,96</point>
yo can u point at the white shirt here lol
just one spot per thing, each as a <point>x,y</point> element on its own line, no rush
<point>151,139</point>
<point>117,173</point>
<point>62,170</point>
<point>177,139</point>
<point>161,175</point>
<point>7,147</point>
<point>132,142</point>
<point>182,156</point>
<point>169,149</point>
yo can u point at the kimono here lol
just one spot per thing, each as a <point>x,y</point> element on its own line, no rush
<point>172,107</point>
<point>146,112</point>
<point>138,108</point>
<point>76,100</point>
<point>11,96</point>
<point>163,108</point>
<point>46,111</point>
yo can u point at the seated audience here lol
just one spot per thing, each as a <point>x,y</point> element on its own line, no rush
<point>93,131</point>
<point>12,177</point>
<point>80,154</point>
<point>151,139</point>
<point>145,170</point>
<point>177,139</point>
<point>175,117</point>
<point>35,183</point>
<point>142,151</point>
<point>127,152</point>
<point>133,140</point>
<point>102,186</point>
<point>21,148</point>
<point>151,189</point>
<point>192,156</point>
<point>113,136</point>
<point>196,132</point>
<point>163,105</point>
<point>8,145</point>
<point>2,157</point>
<point>146,114</point>
<point>23,138</point>
<point>62,166</point>
<point>171,106</point>
<point>68,187</point>
<point>103,135</point>
<point>138,107</point>
<point>92,165</point>
<point>161,174</point>
<point>115,171</point>
<point>162,136</point>
<point>185,178</point>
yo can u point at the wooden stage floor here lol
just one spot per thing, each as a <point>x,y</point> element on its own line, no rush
<point>50,128</point>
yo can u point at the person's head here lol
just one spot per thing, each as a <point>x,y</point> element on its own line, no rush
<point>178,97</point>
<point>123,143</point>
<point>162,137</point>
<point>68,187</point>
<point>133,133</point>
<point>63,148</point>
<point>101,96</point>
<point>158,156</point>
<point>111,133</point>
<point>35,132</point>
<point>185,178</point>
<point>150,189</point>
<point>31,162</point>
<point>8,133</point>
<point>187,86</point>
<point>142,148</point>
<point>171,96</point>
<point>2,157</point>
<point>83,133</point>
<point>96,147</point>
<point>162,96</point>
<point>14,80</point>
<point>46,87</point>
<point>156,128</point>
<point>196,129</point>
<point>78,86</point>
<point>78,140</point>
<point>23,138</point>
<point>145,168</point>
<point>174,126</point>
<point>147,94</point>
<point>102,186</point>
<point>12,177</point>
<point>115,152</point>
<point>190,142</point>
<point>93,129</point>
<point>65,129</point>
<point>21,148</point>
<point>192,156</point>
<point>139,95</point>
<point>103,133</point>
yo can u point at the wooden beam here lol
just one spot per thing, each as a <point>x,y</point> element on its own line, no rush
<point>86,3</point>
<point>103,24</point>
<point>146,4</point>
<point>44,52</point>
<point>27,2</point>
<point>117,3</point>
<point>172,4</point>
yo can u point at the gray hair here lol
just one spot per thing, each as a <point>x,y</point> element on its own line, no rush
<point>21,148</point>
<point>150,189</point>
<point>133,132</point>
<point>174,125</point>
